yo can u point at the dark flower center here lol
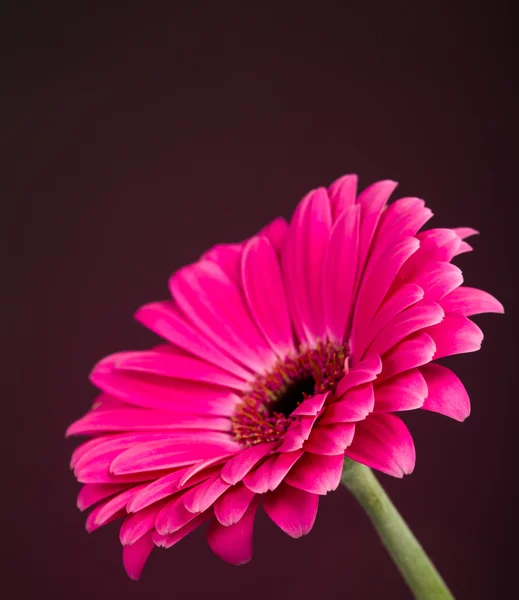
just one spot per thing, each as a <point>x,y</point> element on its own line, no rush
<point>265,412</point>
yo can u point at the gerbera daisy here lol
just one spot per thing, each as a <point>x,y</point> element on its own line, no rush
<point>284,354</point>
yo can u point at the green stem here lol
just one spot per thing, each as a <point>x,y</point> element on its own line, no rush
<point>405,550</point>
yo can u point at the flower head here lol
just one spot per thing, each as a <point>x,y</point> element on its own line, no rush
<point>284,354</point>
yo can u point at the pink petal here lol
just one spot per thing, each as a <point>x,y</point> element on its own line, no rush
<point>303,256</point>
<point>236,469</point>
<point>311,406</point>
<point>162,393</point>
<point>419,316</point>
<point>455,335</point>
<point>438,279</point>
<point>402,218</point>
<point>377,282</point>
<point>265,293</point>
<point>96,422</point>
<point>435,245</point>
<point>215,305</point>
<point>276,231</point>
<point>206,494</point>
<point>355,405</point>
<point>231,506</point>
<point>363,372</point>
<point>162,455</point>
<point>174,515</point>
<point>447,395</point>
<point>406,391</point>
<point>91,523</point>
<point>178,366</point>
<point>156,490</point>
<point>463,248</point>
<point>165,320</point>
<point>372,200</point>
<point>405,296</point>
<point>272,472</point>
<point>138,524</point>
<point>292,510</point>
<point>339,272</point>
<point>169,540</point>
<point>234,543</point>
<point>192,474</point>
<point>227,257</point>
<point>415,351</point>
<point>469,301</point>
<point>383,442</point>
<point>342,193</point>
<point>136,555</point>
<point>92,493</point>
<point>93,466</point>
<point>465,232</point>
<point>315,473</point>
<point>330,439</point>
<point>114,505</point>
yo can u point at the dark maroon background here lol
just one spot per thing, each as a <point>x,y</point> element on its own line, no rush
<point>136,139</point>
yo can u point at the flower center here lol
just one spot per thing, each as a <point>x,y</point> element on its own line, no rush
<point>265,411</point>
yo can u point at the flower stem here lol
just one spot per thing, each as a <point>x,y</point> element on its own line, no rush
<point>405,550</point>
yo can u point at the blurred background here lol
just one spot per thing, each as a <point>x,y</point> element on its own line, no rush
<point>138,136</point>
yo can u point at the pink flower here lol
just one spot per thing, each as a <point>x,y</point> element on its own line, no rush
<point>283,354</point>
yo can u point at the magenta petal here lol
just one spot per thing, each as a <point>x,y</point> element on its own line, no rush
<point>276,231</point>
<point>419,316</point>
<point>340,257</point>
<point>302,261</point>
<point>465,232</point>
<point>269,474</point>
<point>377,282</point>
<point>311,406</point>
<point>162,393</point>
<point>446,394</point>
<point>234,543</point>
<point>401,219</point>
<point>215,305</point>
<point>406,391</point>
<point>136,555</point>
<point>236,469</point>
<point>415,351</point>
<point>372,200</point>
<point>355,405</point>
<point>163,455</point>
<point>405,296</point>
<point>342,193</point>
<point>330,439</point>
<point>231,506</point>
<point>174,515</point>
<point>316,473</point>
<point>363,372</point>
<point>206,494</point>
<point>169,540</point>
<point>471,301</point>
<point>165,486</point>
<point>156,490</point>
<point>265,293</point>
<point>95,422</point>
<point>227,257</point>
<point>92,493</point>
<point>438,279</point>
<point>292,510</point>
<point>455,335</point>
<point>164,319</point>
<point>178,366</point>
<point>138,524</point>
<point>383,442</point>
